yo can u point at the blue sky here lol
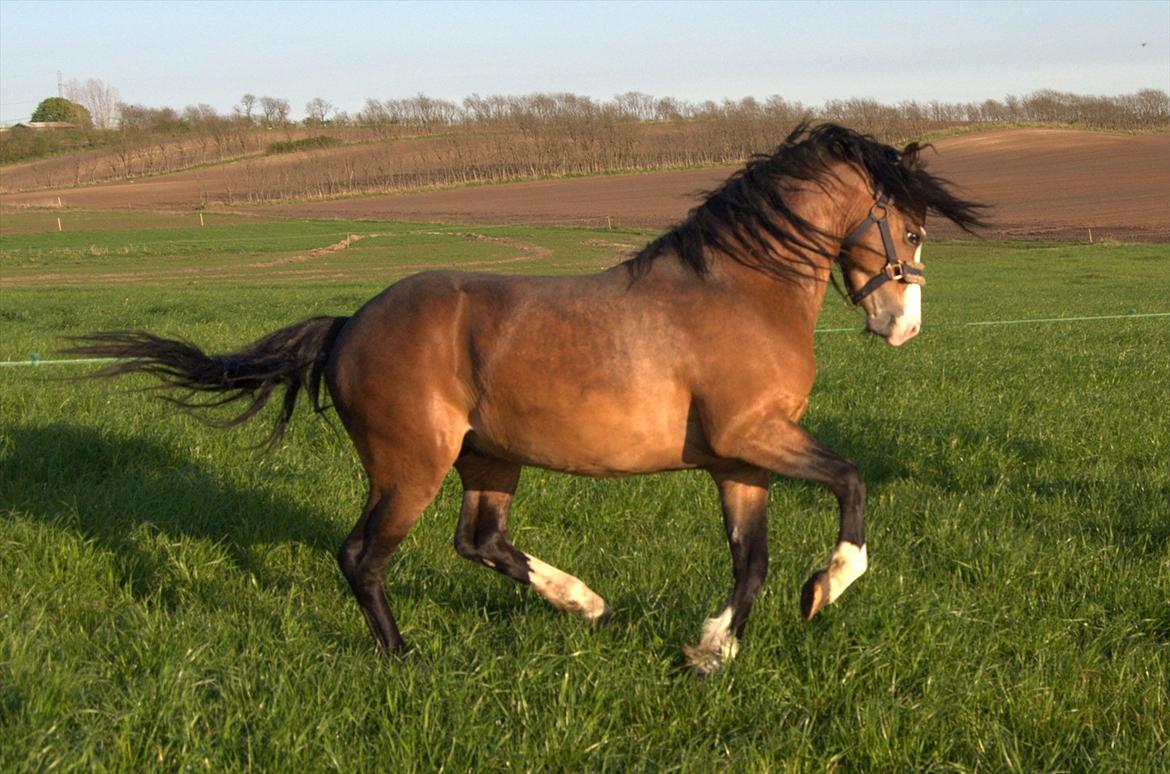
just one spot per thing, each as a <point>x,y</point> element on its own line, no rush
<point>181,53</point>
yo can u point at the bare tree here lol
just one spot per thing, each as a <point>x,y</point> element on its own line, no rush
<point>138,118</point>
<point>375,116</point>
<point>248,103</point>
<point>275,111</point>
<point>635,104</point>
<point>1151,106</point>
<point>317,111</point>
<point>98,97</point>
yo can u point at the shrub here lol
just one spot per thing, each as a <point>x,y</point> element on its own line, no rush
<point>307,143</point>
<point>60,109</point>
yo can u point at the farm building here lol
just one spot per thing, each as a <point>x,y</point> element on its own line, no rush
<point>44,125</point>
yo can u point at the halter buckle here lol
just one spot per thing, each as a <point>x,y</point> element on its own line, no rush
<point>912,273</point>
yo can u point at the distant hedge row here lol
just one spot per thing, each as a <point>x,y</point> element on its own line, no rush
<point>421,141</point>
<point>308,143</point>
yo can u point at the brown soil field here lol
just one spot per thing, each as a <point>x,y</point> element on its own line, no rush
<point>1043,183</point>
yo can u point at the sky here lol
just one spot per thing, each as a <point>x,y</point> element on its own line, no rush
<point>176,54</point>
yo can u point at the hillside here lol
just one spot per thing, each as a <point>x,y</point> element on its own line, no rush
<point>1044,183</point>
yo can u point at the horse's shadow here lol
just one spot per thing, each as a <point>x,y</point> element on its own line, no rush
<point>130,496</point>
<point>1010,462</point>
<point>871,445</point>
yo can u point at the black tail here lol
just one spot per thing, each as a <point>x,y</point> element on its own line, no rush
<point>293,358</point>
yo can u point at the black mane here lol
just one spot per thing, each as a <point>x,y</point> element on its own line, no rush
<point>748,212</point>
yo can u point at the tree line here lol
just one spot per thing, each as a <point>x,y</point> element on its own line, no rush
<point>418,141</point>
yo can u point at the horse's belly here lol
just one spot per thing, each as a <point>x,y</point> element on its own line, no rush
<point>595,434</point>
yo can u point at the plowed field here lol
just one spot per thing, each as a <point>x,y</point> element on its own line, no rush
<point>1044,183</point>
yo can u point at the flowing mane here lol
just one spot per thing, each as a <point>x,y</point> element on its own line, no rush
<point>740,218</point>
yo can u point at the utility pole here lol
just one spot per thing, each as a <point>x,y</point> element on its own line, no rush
<point>60,90</point>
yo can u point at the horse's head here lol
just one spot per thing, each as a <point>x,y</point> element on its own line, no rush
<point>784,213</point>
<point>881,259</point>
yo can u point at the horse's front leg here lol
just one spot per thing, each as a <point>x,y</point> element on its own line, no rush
<point>743,493</point>
<point>784,447</point>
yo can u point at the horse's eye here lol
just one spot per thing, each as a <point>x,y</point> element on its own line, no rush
<point>912,237</point>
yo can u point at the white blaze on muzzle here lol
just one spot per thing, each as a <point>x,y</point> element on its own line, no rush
<point>909,322</point>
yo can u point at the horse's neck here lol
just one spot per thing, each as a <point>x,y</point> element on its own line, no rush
<point>797,297</point>
<point>828,209</point>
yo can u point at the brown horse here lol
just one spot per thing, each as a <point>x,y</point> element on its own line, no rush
<point>695,353</point>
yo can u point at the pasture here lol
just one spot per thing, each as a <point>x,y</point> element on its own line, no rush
<point>168,598</point>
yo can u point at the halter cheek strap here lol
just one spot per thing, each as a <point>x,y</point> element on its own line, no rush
<point>909,272</point>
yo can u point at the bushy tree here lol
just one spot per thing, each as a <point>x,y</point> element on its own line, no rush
<point>60,109</point>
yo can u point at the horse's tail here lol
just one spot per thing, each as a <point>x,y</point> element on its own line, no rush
<point>293,358</point>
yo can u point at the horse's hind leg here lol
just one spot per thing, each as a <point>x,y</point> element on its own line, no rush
<point>403,481</point>
<point>482,536</point>
<point>389,514</point>
<point>744,496</point>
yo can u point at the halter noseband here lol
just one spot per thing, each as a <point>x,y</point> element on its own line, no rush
<point>909,272</point>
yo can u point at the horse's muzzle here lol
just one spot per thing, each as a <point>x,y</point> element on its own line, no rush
<point>899,336</point>
<point>895,334</point>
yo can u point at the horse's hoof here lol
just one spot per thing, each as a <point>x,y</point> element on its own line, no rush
<point>389,654</point>
<point>702,661</point>
<point>604,617</point>
<point>708,657</point>
<point>815,594</point>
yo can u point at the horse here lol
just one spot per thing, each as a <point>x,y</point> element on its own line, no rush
<point>696,352</point>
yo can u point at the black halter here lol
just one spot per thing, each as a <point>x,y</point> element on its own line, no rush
<point>909,272</point>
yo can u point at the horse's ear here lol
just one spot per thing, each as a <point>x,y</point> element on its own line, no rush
<point>909,159</point>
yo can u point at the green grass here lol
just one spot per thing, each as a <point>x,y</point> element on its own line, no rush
<point>305,143</point>
<point>238,250</point>
<point>168,599</point>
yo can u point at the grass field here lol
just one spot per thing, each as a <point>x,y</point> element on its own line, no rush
<point>168,599</point>
<point>237,250</point>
